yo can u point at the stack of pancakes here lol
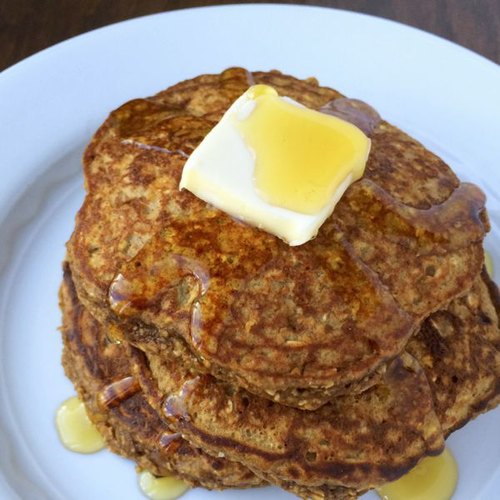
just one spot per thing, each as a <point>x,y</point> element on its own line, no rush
<point>206,348</point>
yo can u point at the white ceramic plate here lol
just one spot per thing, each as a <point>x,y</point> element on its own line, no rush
<point>51,103</point>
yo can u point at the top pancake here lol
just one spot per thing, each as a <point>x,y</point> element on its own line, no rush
<point>295,324</point>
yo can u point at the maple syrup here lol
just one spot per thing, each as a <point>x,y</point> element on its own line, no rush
<point>76,431</point>
<point>116,392</point>
<point>302,156</point>
<point>161,488</point>
<point>433,478</point>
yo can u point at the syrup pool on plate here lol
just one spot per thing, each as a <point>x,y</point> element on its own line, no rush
<point>433,478</point>
<point>76,431</point>
<point>161,488</point>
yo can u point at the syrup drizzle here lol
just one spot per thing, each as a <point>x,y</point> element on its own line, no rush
<point>150,284</point>
<point>116,392</point>
<point>462,210</point>
<point>175,404</point>
<point>353,111</point>
<point>170,442</point>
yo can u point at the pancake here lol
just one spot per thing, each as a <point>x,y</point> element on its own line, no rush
<point>459,350</point>
<point>461,341</point>
<point>296,325</point>
<point>114,402</point>
<point>360,441</point>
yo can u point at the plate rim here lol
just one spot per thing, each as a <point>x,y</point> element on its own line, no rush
<point>30,63</point>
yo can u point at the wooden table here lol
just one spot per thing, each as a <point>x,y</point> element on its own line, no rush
<point>27,26</point>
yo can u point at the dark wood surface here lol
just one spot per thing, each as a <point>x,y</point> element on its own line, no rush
<point>27,26</point>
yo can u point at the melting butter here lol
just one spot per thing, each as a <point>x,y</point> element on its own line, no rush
<point>276,164</point>
<point>488,262</point>
<point>76,431</point>
<point>433,478</point>
<point>302,156</point>
<point>161,488</point>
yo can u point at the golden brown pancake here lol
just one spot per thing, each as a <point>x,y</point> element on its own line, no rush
<point>359,440</point>
<point>297,325</point>
<point>459,350</point>
<point>102,376</point>
<point>459,343</point>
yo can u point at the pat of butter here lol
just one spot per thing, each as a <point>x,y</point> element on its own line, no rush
<point>276,165</point>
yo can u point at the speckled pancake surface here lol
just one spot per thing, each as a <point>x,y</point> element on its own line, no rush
<point>297,325</point>
<point>360,440</point>
<point>102,375</point>
<point>458,349</point>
